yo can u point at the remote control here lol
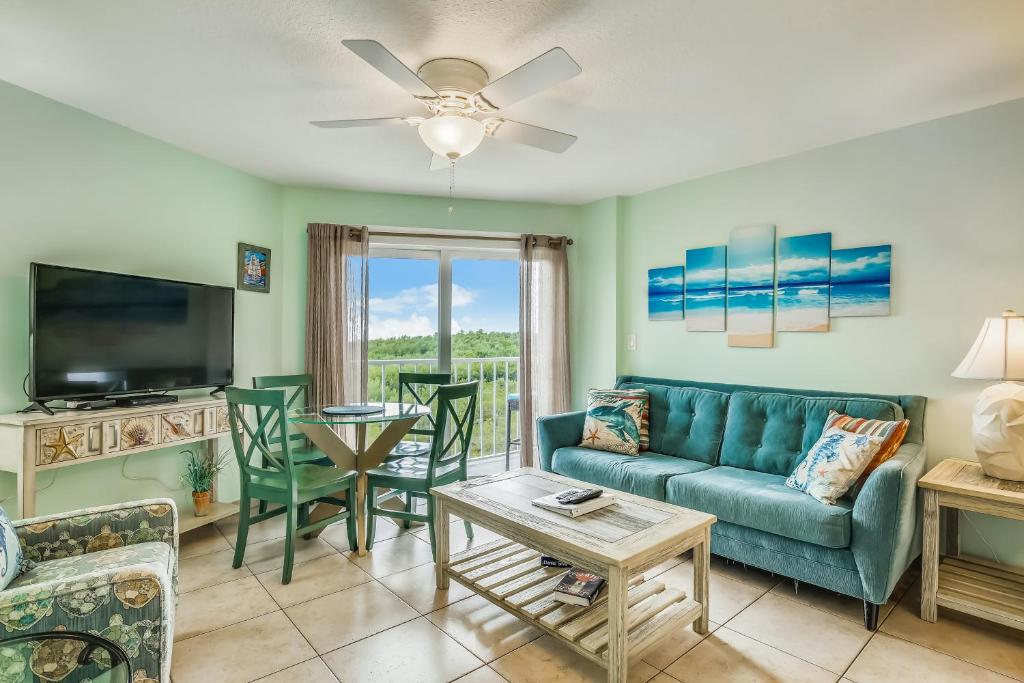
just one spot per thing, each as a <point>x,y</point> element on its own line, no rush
<point>577,496</point>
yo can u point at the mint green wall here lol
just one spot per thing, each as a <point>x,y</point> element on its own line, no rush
<point>946,194</point>
<point>306,205</point>
<point>594,297</point>
<point>78,190</point>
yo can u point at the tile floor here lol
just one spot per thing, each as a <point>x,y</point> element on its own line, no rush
<point>378,618</point>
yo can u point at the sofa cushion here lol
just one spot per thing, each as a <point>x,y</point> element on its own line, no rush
<point>686,422</point>
<point>773,433</point>
<point>763,501</point>
<point>644,474</point>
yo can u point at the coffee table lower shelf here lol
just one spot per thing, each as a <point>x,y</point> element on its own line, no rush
<point>509,575</point>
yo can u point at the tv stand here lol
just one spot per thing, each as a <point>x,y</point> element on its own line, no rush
<point>37,406</point>
<point>216,392</point>
<point>36,442</point>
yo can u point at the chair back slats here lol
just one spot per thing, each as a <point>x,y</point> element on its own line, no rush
<point>456,411</point>
<point>271,413</point>
<point>298,398</point>
<point>417,385</point>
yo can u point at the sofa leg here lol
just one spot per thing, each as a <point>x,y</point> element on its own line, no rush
<point>870,616</point>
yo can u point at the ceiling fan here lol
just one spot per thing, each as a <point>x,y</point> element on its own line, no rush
<point>461,98</point>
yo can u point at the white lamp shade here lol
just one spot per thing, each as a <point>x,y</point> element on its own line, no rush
<point>998,352</point>
<point>451,136</point>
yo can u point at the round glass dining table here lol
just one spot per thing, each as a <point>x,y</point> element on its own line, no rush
<point>323,430</point>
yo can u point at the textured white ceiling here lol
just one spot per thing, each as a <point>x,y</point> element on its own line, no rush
<point>670,90</point>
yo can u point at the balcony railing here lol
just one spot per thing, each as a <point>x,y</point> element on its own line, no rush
<point>498,377</point>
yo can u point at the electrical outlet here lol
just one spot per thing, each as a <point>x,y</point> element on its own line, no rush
<point>631,342</point>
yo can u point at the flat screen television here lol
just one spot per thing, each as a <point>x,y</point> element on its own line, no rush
<point>95,334</point>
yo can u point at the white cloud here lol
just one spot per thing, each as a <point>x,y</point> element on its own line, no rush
<point>761,272</point>
<point>800,265</point>
<point>847,267</point>
<point>660,281</point>
<point>704,276</point>
<point>420,299</point>
<point>415,325</point>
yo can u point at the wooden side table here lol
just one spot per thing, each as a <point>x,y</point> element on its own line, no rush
<point>959,582</point>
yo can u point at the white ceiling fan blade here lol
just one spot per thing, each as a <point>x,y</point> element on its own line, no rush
<point>362,123</point>
<point>540,73</point>
<point>377,56</point>
<point>438,162</point>
<point>525,134</point>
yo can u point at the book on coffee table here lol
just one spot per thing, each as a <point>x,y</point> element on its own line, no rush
<point>551,503</point>
<point>578,587</point>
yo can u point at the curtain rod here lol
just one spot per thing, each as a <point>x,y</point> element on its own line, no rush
<point>383,233</point>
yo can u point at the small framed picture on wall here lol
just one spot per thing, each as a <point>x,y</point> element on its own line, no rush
<point>253,268</point>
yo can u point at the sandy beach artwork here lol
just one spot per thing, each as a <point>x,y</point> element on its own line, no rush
<point>860,281</point>
<point>803,288</point>
<point>751,286</point>
<point>705,289</point>
<point>665,293</point>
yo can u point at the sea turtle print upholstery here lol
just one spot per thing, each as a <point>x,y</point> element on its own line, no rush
<point>110,571</point>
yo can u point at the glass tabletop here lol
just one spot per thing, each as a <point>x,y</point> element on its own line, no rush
<point>390,413</point>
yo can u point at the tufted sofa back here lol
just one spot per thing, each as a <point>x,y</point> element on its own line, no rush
<point>765,429</point>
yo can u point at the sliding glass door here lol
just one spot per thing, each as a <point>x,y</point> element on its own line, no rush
<point>450,308</point>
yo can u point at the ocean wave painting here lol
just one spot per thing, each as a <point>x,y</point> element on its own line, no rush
<point>665,293</point>
<point>751,286</point>
<point>860,281</point>
<point>803,288</point>
<point>705,289</point>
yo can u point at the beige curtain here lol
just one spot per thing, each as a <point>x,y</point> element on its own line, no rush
<point>336,319</point>
<point>544,334</point>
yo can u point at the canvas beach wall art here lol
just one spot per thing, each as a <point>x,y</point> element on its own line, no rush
<point>665,293</point>
<point>803,288</point>
<point>705,289</point>
<point>751,286</point>
<point>861,279</point>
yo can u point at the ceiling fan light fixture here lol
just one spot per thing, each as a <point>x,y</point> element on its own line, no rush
<point>451,135</point>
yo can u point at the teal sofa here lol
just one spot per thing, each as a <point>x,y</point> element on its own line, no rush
<point>727,449</point>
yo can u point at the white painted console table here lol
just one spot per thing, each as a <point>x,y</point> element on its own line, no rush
<point>37,442</point>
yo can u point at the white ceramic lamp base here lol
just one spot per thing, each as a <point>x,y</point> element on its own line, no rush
<point>999,431</point>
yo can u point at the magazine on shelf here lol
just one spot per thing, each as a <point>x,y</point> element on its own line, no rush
<point>578,587</point>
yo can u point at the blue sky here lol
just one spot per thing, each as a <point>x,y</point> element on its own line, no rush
<point>804,259</point>
<point>705,267</point>
<point>403,296</point>
<point>751,256</point>
<point>862,264</point>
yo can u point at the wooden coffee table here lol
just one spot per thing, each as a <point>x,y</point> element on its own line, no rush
<point>619,543</point>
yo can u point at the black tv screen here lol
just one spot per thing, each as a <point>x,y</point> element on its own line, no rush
<point>103,334</point>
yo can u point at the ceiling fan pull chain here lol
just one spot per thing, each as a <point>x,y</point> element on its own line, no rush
<point>451,186</point>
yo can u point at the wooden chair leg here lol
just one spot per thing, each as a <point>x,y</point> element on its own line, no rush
<point>263,506</point>
<point>351,522</point>
<point>430,525</point>
<point>409,504</point>
<point>304,519</point>
<point>371,517</point>
<point>243,530</point>
<point>289,543</point>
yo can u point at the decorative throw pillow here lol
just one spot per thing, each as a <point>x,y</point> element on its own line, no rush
<point>834,463</point>
<point>892,433</point>
<point>10,551</point>
<point>645,419</point>
<point>614,420</point>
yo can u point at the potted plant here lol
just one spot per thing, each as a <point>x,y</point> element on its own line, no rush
<point>200,473</point>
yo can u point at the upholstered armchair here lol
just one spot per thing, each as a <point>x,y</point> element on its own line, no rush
<point>110,571</point>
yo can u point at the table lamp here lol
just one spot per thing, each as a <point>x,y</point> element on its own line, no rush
<point>998,353</point>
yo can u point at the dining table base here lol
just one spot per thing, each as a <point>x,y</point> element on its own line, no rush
<point>364,457</point>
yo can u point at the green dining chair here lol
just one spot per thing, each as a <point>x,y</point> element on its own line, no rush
<point>447,461</point>
<point>297,396</point>
<point>420,388</point>
<point>276,477</point>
